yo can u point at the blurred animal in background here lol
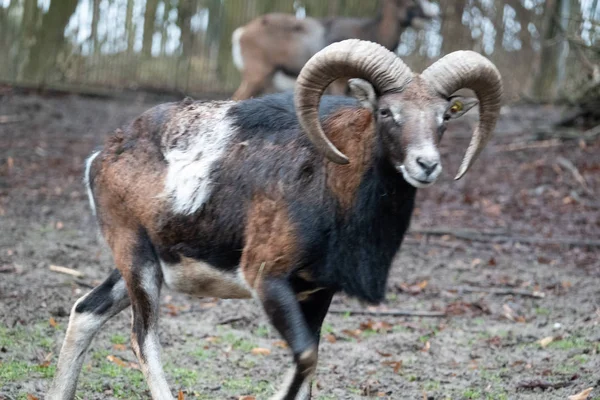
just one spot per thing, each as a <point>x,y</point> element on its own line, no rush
<point>252,199</point>
<point>271,50</point>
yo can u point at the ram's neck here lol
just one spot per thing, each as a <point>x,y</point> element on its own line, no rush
<point>374,205</point>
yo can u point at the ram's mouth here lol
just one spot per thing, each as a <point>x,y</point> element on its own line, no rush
<point>418,183</point>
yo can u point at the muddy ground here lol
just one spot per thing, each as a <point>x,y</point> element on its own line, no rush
<point>486,347</point>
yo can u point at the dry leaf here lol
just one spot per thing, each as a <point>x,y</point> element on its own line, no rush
<point>32,397</point>
<point>53,322</point>
<point>281,344</point>
<point>415,288</point>
<point>546,341</point>
<point>212,339</point>
<point>426,347</point>
<point>582,395</point>
<point>476,261</point>
<point>117,360</point>
<point>330,338</point>
<point>260,351</point>
<point>247,398</point>
<point>46,362</point>
<point>173,310</point>
<point>180,395</point>
<point>119,347</point>
<point>397,365</point>
<point>355,333</point>
<point>382,354</point>
<point>377,326</point>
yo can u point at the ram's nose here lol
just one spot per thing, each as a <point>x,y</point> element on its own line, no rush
<point>428,164</point>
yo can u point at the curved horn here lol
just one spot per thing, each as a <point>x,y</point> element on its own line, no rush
<point>350,58</point>
<point>467,69</point>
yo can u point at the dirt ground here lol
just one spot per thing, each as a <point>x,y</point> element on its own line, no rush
<point>470,241</point>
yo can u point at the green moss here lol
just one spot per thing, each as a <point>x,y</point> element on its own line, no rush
<point>21,370</point>
<point>471,394</point>
<point>118,339</point>
<point>570,343</point>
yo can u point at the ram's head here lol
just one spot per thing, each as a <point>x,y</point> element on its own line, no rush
<point>410,110</point>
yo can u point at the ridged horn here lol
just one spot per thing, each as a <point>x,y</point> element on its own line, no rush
<point>467,69</point>
<point>351,58</point>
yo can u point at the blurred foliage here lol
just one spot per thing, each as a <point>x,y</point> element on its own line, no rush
<point>185,45</point>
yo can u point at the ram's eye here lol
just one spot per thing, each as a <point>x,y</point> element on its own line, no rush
<point>456,107</point>
<point>385,112</point>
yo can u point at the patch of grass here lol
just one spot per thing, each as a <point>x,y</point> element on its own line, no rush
<point>327,328</point>
<point>125,383</point>
<point>184,377</point>
<point>432,385</point>
<point>247,385</point>
<point>203,354</point>
<point>570,343</point>
<point>238,343</point>
<point>262,331</point>
<point>580,358</point>
<point>542,311</point>
<point>21,370</point>
<point>497,396</point>
<point>471,394</point>
<point>118,339</point>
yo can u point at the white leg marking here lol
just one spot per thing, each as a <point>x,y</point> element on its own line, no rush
<point>86,180</point>
<point>236,48</point>
<point>304,391</point>
<point>191,151</point>
<point>82,329</point>
<point>152,367</point>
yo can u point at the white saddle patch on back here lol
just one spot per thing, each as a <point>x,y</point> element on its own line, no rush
<point>191,155</point>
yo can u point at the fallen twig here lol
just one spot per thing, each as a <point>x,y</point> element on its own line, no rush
<point>391,313</point>
<point>7,268</point>
<point>65,270</point>
<point>544,385</point>
<point>451,231</point>
<point>499,291</point>
<point>567,164</point>
<point>528,145</point>
<point>9,119</point>
<point>493,236</point>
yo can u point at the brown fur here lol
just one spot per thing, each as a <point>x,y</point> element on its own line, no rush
<point>270,247</point>
<point>353,133</point>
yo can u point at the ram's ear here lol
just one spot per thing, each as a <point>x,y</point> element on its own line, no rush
<point>363,91</point>
<point>459,105</point>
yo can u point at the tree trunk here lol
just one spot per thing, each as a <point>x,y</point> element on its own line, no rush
<point>185,12</point>
<point>547,71</point>
<point>49,39</point>
<point>455,35</point>
<point>130,27</point>
<point>149,26</point>
<point>94,33</point>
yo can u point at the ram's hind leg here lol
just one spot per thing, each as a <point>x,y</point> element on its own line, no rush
<point>88,315</point>
<point>144,283</point>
